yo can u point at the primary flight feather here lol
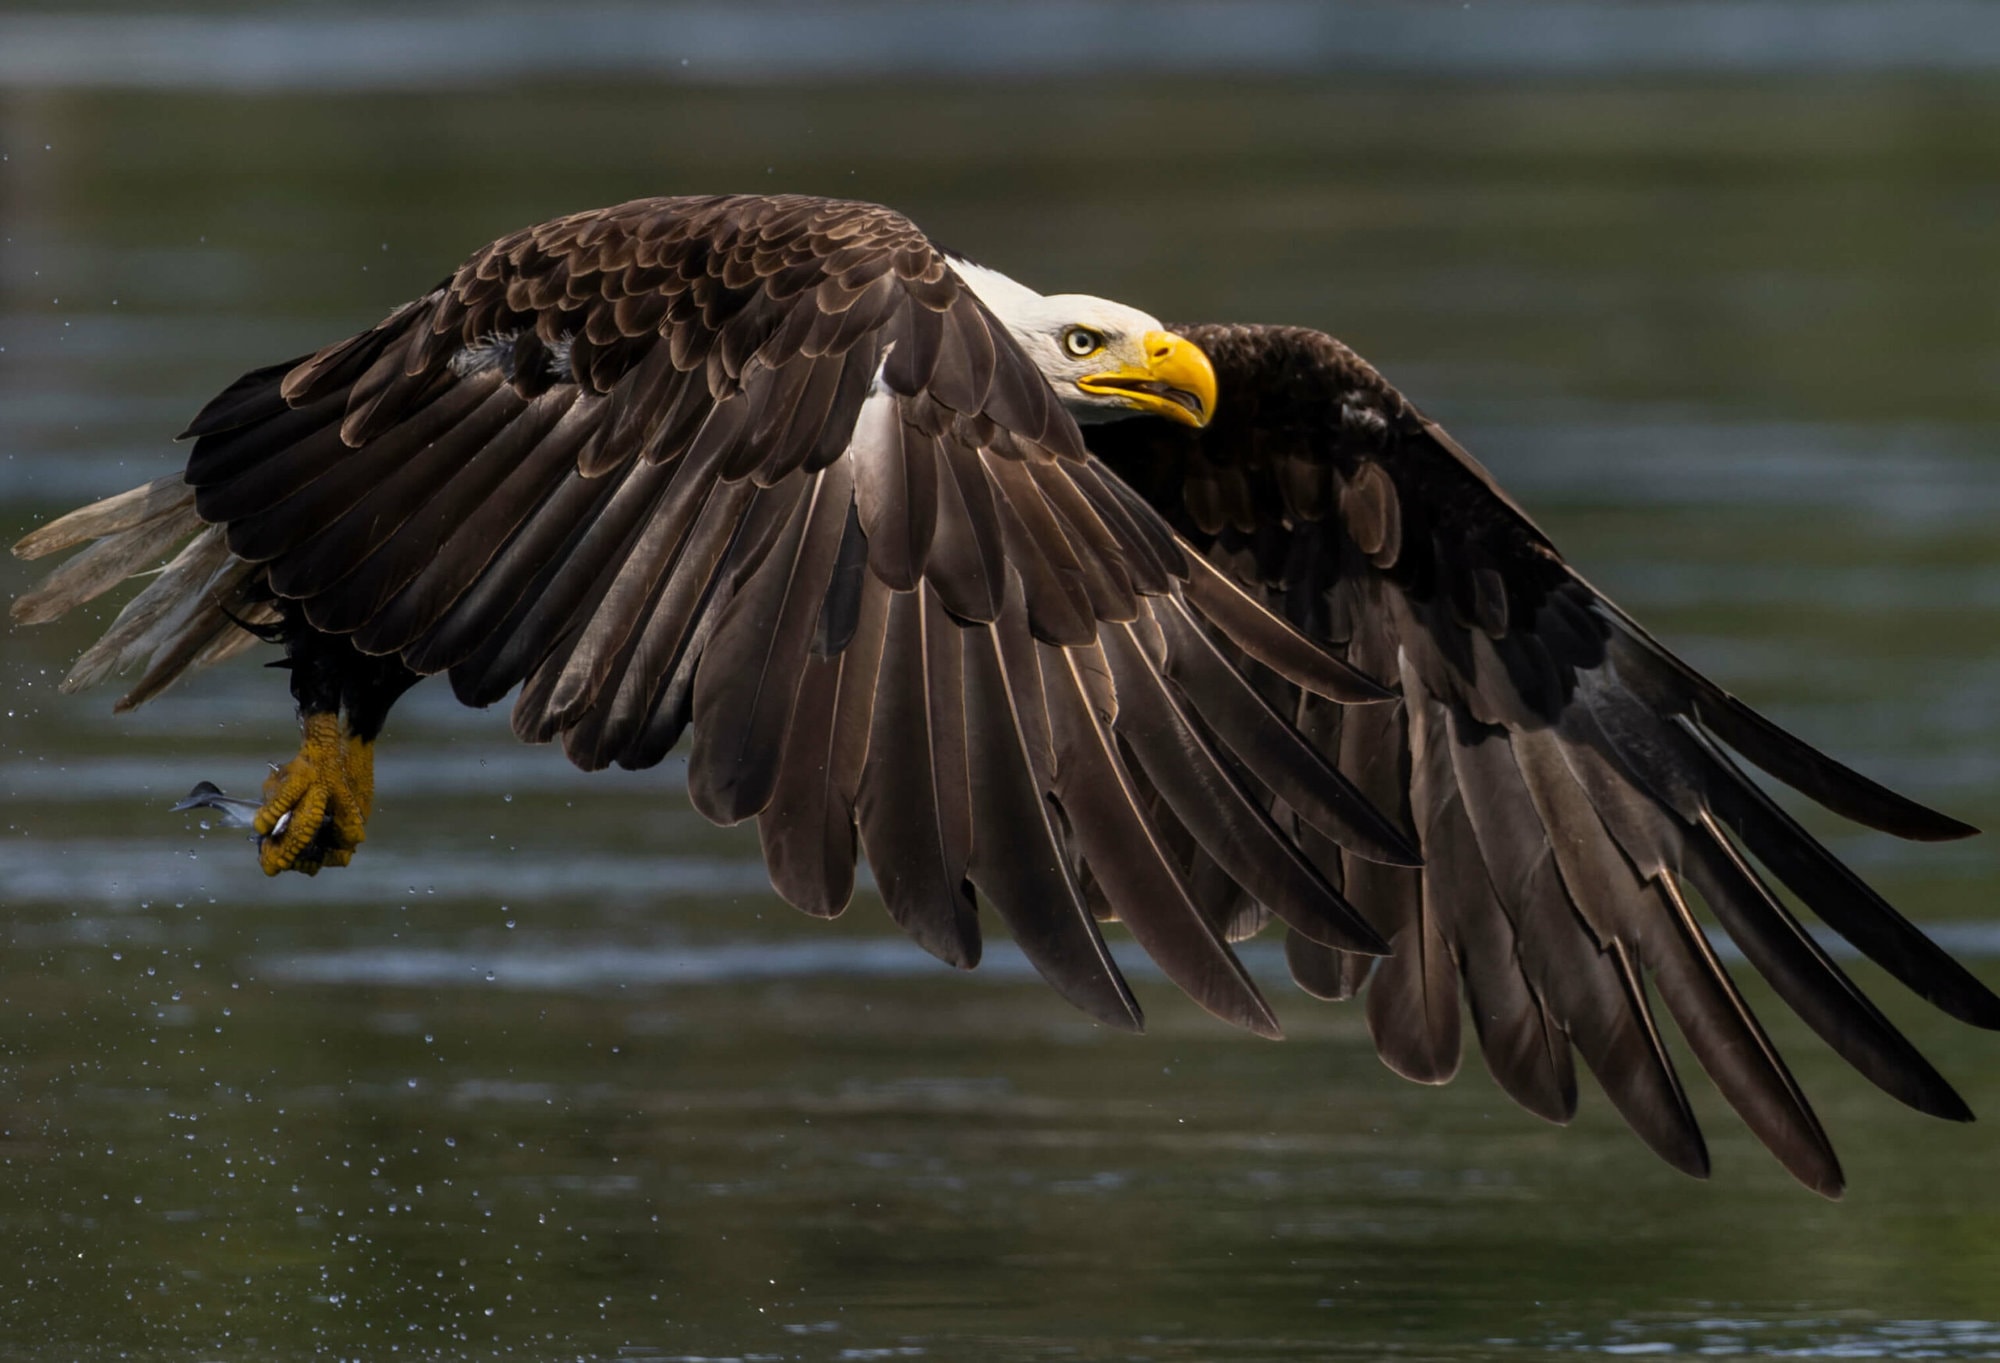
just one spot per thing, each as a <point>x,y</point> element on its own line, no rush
<point>1039,604</point>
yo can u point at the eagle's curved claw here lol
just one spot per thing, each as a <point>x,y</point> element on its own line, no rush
<point>316,806</point>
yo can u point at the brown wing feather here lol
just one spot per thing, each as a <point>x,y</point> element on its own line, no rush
<point>1566,775</point>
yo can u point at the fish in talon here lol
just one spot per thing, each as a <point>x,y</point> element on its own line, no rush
<point>232,810</point>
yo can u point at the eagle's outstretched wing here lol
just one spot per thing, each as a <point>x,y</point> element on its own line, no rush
<point>1568,777</point>
<point>765,467</point>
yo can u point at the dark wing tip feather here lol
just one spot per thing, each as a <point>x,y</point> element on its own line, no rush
<point>1272,749</point>
<point>1274,642</point>
<point>1654,670</point>
<point>1827,780</point>
<point>253,397</point>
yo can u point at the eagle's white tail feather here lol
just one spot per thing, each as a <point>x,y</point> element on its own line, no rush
<point>120,552</point>
<point>201,630</point>
<point>234,641</point>
<point>151,615</point>
<point>180,621</point>
<point>126,511</point>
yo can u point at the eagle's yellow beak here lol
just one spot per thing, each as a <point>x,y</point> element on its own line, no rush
<point>1175,380</point>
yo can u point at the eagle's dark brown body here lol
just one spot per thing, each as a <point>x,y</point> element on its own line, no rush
<point>768,470</point>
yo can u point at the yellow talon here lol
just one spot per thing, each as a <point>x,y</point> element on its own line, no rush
<point>316,806</point>
<point>361,779</point>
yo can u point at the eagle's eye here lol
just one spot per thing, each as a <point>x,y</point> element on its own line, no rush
<point>1082,342</point>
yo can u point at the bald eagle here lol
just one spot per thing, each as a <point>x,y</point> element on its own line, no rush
<point>1038,602</point>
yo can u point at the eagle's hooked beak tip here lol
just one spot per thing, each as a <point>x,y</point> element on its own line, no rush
<point>1175,380</point>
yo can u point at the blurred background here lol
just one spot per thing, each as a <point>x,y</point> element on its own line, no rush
<point>1713,288</point>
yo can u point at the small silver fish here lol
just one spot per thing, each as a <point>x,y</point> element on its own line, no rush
<point>234,812</point>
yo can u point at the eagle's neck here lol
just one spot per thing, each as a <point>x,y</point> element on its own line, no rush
<point>1008,299</point>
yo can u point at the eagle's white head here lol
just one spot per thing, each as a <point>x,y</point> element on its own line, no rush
<point>1104,360</point>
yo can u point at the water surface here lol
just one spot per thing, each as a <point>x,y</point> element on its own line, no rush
<point>549,1073</point>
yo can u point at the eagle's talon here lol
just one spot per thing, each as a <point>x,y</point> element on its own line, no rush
<point>316,806</point>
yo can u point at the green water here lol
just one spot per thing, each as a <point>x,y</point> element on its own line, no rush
<point>548,1073</point>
